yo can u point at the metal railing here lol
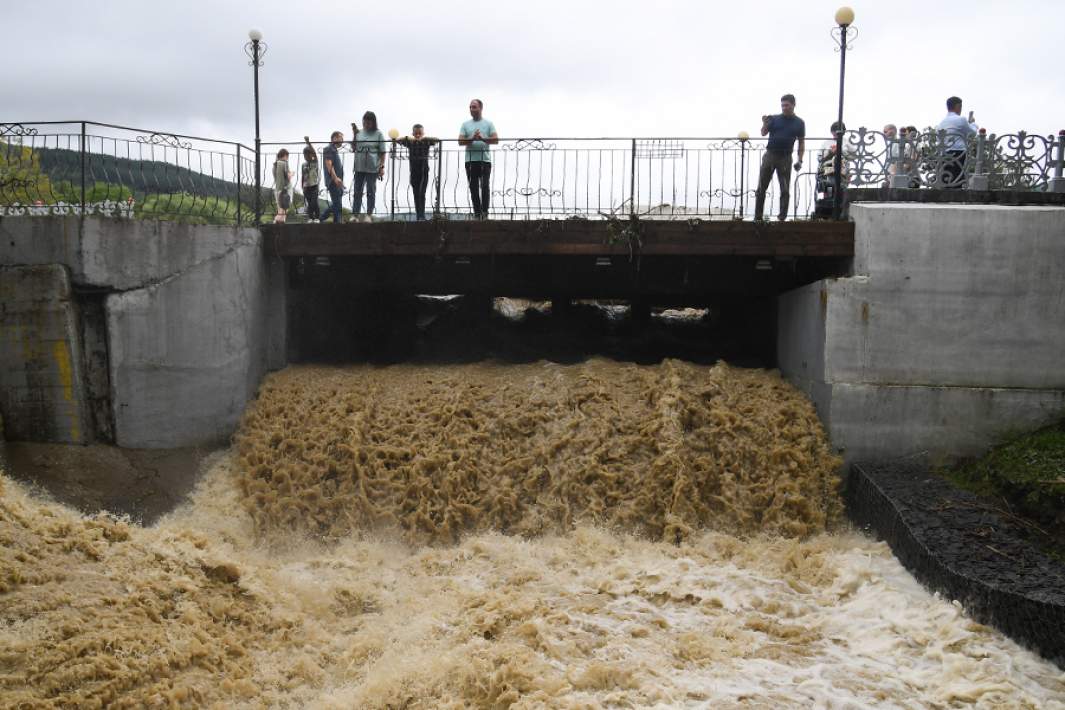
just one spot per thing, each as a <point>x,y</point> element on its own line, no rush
<point>935,159</point>
<point>545,178</point>
<point>83,167</point>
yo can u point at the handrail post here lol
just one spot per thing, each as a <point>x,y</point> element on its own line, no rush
<point>82,152</point>
<point>239,217</point>
<point>979,179</point>
<point>632,181</point>
<point>439,172</point>
<point>392,177</point>
<point>743,171</point>
<point>1057,183</point>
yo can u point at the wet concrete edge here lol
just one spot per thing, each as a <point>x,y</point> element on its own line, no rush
<point>1019,592</point>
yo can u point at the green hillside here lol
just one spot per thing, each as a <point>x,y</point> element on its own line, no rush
<point>140,176</point>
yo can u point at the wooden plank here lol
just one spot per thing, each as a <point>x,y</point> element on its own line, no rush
<point>561,237</point>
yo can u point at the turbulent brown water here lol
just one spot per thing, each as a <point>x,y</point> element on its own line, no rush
<point>529,449</point>
<point>592,600</point>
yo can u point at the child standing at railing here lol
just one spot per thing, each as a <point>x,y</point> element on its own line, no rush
<point>282,181</point>
<point>418,146</point>
<point>369,147</point>
<point>310,176</point>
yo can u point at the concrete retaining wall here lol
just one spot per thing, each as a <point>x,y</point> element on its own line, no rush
<point>42,393</point>
<point>948,337</point>
<point>192,317</point>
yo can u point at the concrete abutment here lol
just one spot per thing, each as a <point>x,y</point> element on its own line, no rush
<point>167,329</point>
<point>948,337</point>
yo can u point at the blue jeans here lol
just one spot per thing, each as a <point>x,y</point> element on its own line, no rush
<point>336,194</point>
<point>369,180</point>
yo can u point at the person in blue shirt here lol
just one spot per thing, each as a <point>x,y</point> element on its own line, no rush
<point>477,135</point>
<point>955,143</point>
<point>783,130</point>
<point>334,176</point>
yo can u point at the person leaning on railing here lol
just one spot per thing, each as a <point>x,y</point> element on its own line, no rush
<point>334,170</point>
<point>958,132</point>
<point>783,130</point>
<point>418,145</point>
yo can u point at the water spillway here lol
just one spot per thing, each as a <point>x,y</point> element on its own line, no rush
<point>539,535</point>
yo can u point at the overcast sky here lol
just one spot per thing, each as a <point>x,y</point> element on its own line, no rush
<point>546,68</point>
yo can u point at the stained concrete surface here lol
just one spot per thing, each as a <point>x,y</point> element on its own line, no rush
<point>42,390</point>
<point>184,321</point>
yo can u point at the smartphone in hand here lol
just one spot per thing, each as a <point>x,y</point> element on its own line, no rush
<point>970,117</point>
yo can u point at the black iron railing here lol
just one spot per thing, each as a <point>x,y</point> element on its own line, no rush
<point>82,167</point>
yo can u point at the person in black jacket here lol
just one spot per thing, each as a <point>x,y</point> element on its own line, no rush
<point>418,145</point>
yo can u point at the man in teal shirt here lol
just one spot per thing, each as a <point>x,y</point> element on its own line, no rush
<point>477,135</point>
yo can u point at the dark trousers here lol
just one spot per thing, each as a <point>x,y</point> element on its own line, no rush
<point>336,194</point>
<point>479,174</point>
<point>419,181</point>
<point>310,196</point>
<point>367,181</point>
<point>953,173</point>
<point>780,163</point>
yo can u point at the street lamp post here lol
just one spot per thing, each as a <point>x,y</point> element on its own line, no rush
<point>255,49</point>
<point>844,20</point>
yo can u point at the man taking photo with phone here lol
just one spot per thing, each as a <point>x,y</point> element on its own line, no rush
<point>955,142</point>
<point>783,130</point>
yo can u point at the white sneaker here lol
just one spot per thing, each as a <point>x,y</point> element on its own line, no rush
<point>367,218</point>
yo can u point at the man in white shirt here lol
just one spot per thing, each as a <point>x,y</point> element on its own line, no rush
<point>958,132</point>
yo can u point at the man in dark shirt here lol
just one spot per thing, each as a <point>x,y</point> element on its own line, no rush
<point>334,176</point>
<point>783,130</point>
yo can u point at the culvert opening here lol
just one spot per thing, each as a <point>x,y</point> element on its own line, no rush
<point>330,327</point>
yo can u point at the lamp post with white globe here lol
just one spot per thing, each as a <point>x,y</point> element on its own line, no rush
<point>255,49</point>
<point>844,20</point>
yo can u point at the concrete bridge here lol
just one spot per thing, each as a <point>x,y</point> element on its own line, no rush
<point>914,328</point>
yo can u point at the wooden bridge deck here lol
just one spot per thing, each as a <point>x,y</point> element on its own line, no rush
<point>675,261</point>
<point>571,237</point>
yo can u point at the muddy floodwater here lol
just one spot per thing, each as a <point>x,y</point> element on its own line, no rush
<point>600,535</point>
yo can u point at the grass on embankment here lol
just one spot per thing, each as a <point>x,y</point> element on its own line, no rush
<point>1027,476</point>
